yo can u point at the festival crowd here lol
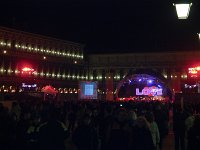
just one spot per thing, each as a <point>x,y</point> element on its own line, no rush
<point>96,125</point>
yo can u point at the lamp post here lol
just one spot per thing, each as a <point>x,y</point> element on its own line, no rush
<point>182,9</point>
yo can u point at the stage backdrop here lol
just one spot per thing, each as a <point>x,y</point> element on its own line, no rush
<point>88,90</point>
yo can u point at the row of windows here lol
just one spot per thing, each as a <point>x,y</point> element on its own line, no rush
<point>41,74</point>
<point>68,75</point>
<point>39,49</point>
<point>117,77</point>
<point>13,89</point>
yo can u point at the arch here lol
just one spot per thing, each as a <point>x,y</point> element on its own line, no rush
<point>143,76</point>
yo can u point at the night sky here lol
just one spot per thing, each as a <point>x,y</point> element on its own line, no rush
<point>107,26</point>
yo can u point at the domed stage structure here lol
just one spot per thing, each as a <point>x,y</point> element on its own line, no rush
<point>143,85</point>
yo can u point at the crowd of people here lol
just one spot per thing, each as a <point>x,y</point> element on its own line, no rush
<point>92,125</point>
<point>186,125</point>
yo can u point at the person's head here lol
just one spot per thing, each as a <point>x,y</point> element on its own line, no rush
<point>197,121</point>
<point>14,104</point>
<point>149,116</point>
<point>1,107</point>
<point>122,115</point>
<point>132,115</point>
<point>86,119</point>
<point>54,114</point>
<point>141,122</point>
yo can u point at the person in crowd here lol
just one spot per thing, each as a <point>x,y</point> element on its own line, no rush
<point>72,120</point>
<point>193,136</point>
<point>119,137</point>
<point>189,121</point>
<point>105,120</point>
<point>7,130</point>
<point>31,133</point>
<point>141,136</point>
<point>52,133</point>
<point>162,119</point>
<point>16,110</point>
<point>22,127</point>
<point>179,118</point>
<point>154,129</point>
<point>85,137</point>
<point>132,117</point>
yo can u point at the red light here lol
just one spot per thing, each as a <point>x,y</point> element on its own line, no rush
<point>26,69</point>
<point>194,72</point>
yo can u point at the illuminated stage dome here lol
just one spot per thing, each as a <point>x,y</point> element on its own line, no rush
<point>143,86</point>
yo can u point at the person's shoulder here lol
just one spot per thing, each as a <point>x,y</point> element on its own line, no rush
<point>62,125</point>
<point>41,126</point>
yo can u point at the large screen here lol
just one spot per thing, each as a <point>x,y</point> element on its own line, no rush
<point>88,90</point>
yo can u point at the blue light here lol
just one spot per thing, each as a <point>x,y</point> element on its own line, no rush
<point>140,80</point>
<point>150,81</point>
<point>159,86</point>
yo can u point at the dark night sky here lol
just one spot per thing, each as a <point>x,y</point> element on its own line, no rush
<point>107,26</point>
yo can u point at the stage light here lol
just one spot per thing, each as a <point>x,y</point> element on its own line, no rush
<point>159,86</point>
<point>183,9</point>
<point>150,81</point>
<point>140,80</point>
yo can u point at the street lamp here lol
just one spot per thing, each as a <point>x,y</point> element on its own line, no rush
<point>183,9</point>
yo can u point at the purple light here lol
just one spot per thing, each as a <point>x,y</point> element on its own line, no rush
<point>159,86</point>
<point>140,80</point>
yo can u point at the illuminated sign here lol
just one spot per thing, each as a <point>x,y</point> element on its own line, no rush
<point>24,85</point>
<point>194,72</point>
<point>150,91</point>
<point>27,70</point>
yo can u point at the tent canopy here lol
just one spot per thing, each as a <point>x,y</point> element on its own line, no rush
<point>49,90</point>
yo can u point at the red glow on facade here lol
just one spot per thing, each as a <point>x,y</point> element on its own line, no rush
<point>27,70</point>
<point>194,72</point>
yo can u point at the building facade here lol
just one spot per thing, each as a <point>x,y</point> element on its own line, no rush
<point>173,66</point>
<point>29,59</point>
<point>34,59</point>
